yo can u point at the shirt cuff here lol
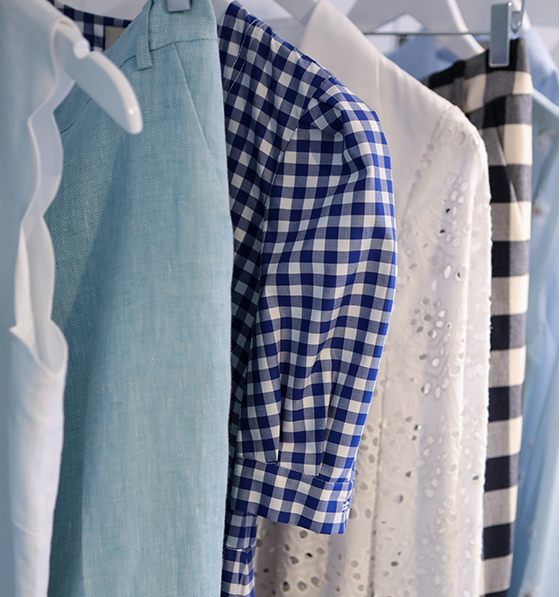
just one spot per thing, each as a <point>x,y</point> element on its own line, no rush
<point>284,495</point>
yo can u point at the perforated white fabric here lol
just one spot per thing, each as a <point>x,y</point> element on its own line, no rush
<point>415,525</point>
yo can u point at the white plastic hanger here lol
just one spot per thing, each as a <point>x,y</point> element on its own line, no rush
<point>220,6</point>
<point>301,10</point>
<point>435,15</point>
<point>99,78</point>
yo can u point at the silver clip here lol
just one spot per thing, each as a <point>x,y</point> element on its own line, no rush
<point>517,18</point>
<point>500,27</point>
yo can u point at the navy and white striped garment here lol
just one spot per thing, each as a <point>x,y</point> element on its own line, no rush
<point>313,283</point>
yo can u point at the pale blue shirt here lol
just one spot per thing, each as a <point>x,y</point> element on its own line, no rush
<point>535,552</point>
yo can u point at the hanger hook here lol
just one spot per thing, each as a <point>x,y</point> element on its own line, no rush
<point>517,18</point>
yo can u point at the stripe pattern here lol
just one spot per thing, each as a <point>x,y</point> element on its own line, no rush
<point>498,102</point>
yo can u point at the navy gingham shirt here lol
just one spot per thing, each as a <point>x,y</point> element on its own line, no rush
<point>313,283</point>
<point>93,27</point>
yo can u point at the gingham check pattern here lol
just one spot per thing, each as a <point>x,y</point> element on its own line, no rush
<point>498,102</point>
<point>93,27</point>
<point>313,283</point>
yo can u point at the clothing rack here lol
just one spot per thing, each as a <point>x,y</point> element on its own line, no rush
<point>505,22</point>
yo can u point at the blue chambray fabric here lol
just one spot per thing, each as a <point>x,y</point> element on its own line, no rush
<point>536,540</point>
<point>543,69</point>
<point>535,547</point>
<point>313,284</point>
<point>143,242</point>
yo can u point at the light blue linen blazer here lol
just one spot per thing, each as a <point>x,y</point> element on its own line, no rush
<point>144,251</point>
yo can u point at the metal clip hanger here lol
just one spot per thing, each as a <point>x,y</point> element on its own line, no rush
<point>504,22</point>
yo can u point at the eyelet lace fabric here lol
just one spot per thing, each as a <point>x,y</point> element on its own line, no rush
<point>415,525</point>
